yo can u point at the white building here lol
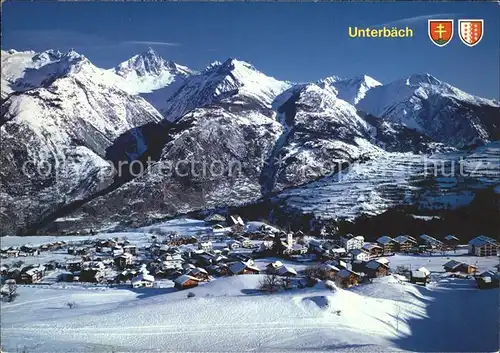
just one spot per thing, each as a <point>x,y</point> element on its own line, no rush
<point>360,255</point>
<point>350,242</point>
<point>143,280</point>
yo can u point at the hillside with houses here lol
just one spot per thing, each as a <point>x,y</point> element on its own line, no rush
<point>225,258</point>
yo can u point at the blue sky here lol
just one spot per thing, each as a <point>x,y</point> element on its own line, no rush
<point>290,41</point>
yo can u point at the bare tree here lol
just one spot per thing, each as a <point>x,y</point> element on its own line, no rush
<point>271,283</point>
<point>9,290</point>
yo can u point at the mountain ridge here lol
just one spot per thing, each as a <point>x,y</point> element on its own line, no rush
<point>284,135</point>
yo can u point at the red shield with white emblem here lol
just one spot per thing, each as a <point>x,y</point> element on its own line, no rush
<point>471,31</point>
<point>440,31</point>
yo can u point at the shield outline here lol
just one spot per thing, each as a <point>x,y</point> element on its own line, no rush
<point>440,20</point>
<point>460,31</point>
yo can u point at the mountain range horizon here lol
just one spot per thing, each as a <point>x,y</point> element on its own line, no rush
<point>150,52</point>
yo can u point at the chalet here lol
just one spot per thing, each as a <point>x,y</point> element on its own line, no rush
<point>387,244</point>
<point>286,271</point>
<point>457,266</point>
<point>373,250</point>
<point>241,268</point>
<point>425,271</point>
<point>431,242</point>
<point>404,243</point>
<point>374,269</point>
<point>172,261</point>
<point>12,253</point>
<point>218,270</point>
<point>143,280</point>
<point>328,271</point>
<point>273,267</point>
<point>123,260</point>
<point>71,250</point>
<point>483,246</point>
<point>418,277</point>
<point>335,252</point>
<point>452,266</point>
<point>360,255</point>
<point>350,242</point>
<point>4,270</point>
<point>32,274</point>
<point>30,250</point>
<point>296,249</point>
<point>185,281</point>
<point>347,278</point>
<point>199,273</point>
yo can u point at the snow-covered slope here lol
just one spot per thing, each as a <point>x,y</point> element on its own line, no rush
<point>435,108</point>
<point>229,315</point>
<point>64,115</point>
<point>351,90</point>
<point>437,181</point>
<point>234,81</point>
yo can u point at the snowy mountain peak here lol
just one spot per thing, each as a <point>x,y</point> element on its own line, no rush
<point>148,71</point>
<point>351,90</point>
<point>418,79</point>
<point>234,80</point>
<point>146,63</point>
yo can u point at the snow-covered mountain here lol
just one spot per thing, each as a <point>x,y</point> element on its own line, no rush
<point>61,116</point>
<point>352,90</point>
<point>436,109</point>
<point>148,72</point>
<point>234,81</point>
<point>271,138</point>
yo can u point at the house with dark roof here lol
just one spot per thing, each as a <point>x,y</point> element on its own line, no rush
<point>483,246</point>
<point>457,266</point>
<point>404,243</point>
<point>346,278</point>
<point>241,268</point>
<point>185,281</point>
<point>387,244</point>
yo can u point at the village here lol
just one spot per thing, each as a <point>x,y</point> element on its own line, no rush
<point>227,246</point>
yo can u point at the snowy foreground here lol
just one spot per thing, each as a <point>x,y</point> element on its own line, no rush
<point>228,315</point>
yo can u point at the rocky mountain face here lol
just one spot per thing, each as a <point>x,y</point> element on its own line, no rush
<point>436,109</point>
<point>227,136</point>
<point>61,116</point>
<point>233,83</point>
